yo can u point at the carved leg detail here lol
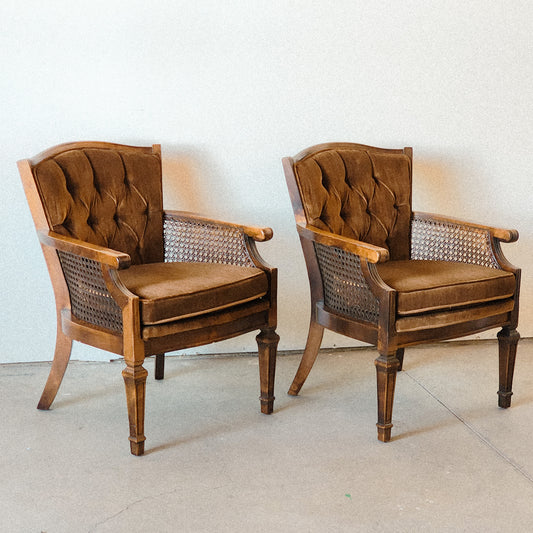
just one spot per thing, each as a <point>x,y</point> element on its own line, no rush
<point>159,366</point>
<point>507,342</point>
<point>399,356</point>
<point>59,365</point>
<point>314,339</point>
<point>135,382</point>
<point>386,369</point>
<point>267,342</point>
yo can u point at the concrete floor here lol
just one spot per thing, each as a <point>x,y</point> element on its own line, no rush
<point>214,463</point>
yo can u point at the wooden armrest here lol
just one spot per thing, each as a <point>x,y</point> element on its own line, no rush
<point>373,254</point>
<point>257,234</point>
<point>106,256</point>
<point>504,235</point>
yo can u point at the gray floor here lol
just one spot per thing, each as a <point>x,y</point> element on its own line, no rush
<point>214,463</point>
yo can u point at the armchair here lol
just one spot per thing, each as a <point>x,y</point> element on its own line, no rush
<point>136,280</point>
<point>388,276</point>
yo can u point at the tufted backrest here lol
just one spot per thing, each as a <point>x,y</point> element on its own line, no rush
<point>106,195</point>
<point>362,194</point>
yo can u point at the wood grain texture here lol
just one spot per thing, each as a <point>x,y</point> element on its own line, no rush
<point>93,304</point>
<point>343,279</point>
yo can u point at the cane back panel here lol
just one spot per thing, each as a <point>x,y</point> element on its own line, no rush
<point>188,239</point>
<point>345,288</point>
<point>438,240</point>
<point>89,298</point>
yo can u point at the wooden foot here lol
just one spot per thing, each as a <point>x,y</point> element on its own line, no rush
<point>314,339</point>
<point>267,342</point>
<point>507,342</point>
<point>59,365</point>
<point>159,366</point>
<point>137,448</point>
<point>386,370</point>
<point>135,382</point>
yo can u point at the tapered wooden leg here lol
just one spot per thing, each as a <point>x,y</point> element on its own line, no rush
<point>135,382</point>
<point>399,356</point>
<point>267,342</point>
<point>386,369</point>
<point>314,339</point>
<point>59,365</point>
<point>507,342</point>
<point>159,366</point>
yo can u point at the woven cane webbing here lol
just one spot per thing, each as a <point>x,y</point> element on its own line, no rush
<point>195,241</point>
<point>345,288</point>
<point>448,241</point>
<point>89,298</point>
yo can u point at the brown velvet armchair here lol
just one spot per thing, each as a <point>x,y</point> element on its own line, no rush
<point>136,280</point>
<point>386,275</point>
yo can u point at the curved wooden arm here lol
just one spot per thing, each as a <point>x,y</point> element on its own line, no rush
<point>106,256</point>
<point>504,235</point>
<point>257,234</point>
<point>373,254</point>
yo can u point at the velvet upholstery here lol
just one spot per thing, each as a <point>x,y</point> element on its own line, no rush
<point>427,286</point>
<point>383,274</point>
<point>496,309</point>
<point>173,291</point>
<point>359,194</point>
<point>136,280</point>
<point>112,198</point>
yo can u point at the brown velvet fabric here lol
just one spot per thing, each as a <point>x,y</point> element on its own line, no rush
<point>107,197</point>
<point>186,326</point>
<point>426,286</point>
<point>173,291</point>
<point>454,316</point>
<point>359,194</point>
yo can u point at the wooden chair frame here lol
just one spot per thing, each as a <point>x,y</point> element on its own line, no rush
<point>129,343</point>
<point>383,333</point>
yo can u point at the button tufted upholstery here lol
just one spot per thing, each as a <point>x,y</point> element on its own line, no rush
<point>134,279</point>
<point>384,275</point>
<point>108,197</point>
<point>359,194</point>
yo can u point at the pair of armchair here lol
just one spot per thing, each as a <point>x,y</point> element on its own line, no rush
<point>137,280</point>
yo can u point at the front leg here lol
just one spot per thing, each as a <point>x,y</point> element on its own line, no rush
<point>135,382</point>
<point>386,369</point>
<point>507,343</point>
<point>267,342</point>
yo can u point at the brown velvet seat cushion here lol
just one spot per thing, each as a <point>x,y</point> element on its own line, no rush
<point>425,286</point>
<point>172,291</point>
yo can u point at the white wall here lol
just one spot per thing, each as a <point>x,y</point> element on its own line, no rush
<point>230,87</point>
